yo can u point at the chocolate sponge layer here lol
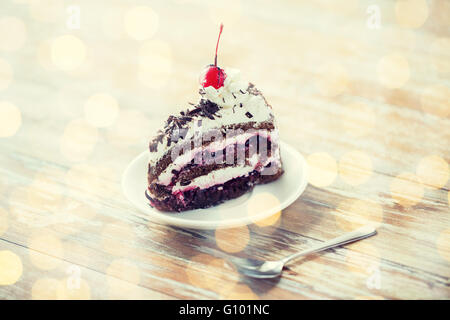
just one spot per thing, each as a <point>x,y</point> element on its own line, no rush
<point>197,198</point>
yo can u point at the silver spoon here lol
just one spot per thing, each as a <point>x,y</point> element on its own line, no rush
<point>271,269</point>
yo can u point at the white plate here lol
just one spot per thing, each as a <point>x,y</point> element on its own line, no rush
<point>232,213</point>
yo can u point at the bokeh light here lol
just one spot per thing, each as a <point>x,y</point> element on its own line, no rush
<point>141,23</point>
<point>435,100</point>
<point>393,70</point>
<point>54,289</point>
<point>443,244</point>
<point>45,250</point>
<point>440,62</point>
<point>3,221</point>
<point>406,189</point>
<point>68,52</point>
<point>322,169</point>
<point>155,63</point>
<point>433,171</point>
<point>261,202</point>
<point>439,14</point>
<point>355,167</point>
<point>11,268</point>
<point>101,110</point>
<point>10,119</point>
<point>200,274</point>
<point>239,291</point>
<point>358,119</point>
<point>332,80</point>
<point>232,240</point>
<point>6,74</point>
<point>355,213</point>
<point>46,10</point>
<point>411,13</point>
<point>13,34</point>
<point>45,289</point>
<point>80,210</point>
<point>78,140</point>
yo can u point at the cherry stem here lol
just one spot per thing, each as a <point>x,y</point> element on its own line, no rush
<point>217,45</point>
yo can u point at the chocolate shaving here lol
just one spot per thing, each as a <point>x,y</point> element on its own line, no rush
<point>176,126</point>
<point>249,115</point>
<point>185,182</point>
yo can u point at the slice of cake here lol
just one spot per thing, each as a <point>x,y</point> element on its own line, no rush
<point>216,150</point>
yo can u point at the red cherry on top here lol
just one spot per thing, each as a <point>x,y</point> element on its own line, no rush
<point>213,75</point>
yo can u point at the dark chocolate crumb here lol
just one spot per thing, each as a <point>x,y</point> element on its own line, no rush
<point>185,182</point>
<point>249,115</point>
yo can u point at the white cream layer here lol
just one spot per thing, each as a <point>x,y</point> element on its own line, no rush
<point>179,162</point>
<point>229,97</point>
<point>220,176</point>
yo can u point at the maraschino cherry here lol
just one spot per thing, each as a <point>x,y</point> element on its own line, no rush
<point>213,75</point>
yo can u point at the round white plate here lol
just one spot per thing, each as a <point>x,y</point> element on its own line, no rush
<point>231,213</point>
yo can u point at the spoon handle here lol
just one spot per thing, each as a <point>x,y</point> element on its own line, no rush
<point>358,234</point>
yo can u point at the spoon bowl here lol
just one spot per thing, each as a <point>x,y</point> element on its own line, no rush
<point>258,268</point>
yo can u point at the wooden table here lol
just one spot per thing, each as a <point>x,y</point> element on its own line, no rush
<point>365,100</point>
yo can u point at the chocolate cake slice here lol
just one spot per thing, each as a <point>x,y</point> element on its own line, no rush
<point>215,151</point>
<point>218,149</point>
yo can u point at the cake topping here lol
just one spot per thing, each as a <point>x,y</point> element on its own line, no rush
<point>213,75</point>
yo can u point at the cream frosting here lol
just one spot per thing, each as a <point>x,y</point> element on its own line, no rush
<point>166,176</point>
<point>235,102</point>
<point>220,176</point>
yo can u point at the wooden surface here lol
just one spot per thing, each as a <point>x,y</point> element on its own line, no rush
<point>367,106</point>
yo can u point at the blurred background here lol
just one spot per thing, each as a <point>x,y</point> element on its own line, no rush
<point>360,87</point>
